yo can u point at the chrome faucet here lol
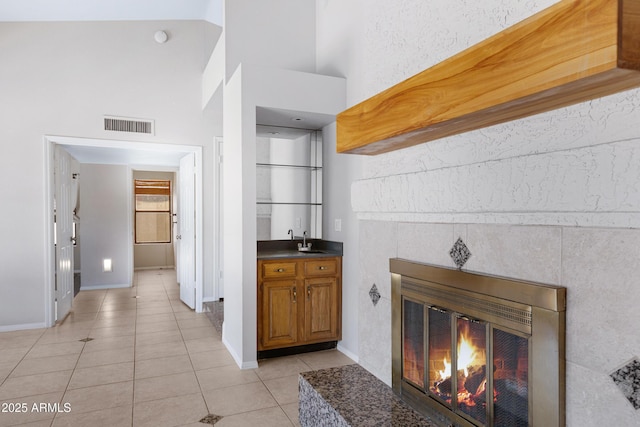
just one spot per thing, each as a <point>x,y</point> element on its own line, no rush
<point>290,232</point>
<point>304,246</point>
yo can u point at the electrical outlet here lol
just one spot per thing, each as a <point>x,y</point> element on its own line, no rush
<point>337,224</point>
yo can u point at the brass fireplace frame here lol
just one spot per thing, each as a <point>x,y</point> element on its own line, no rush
<point>533,309</point>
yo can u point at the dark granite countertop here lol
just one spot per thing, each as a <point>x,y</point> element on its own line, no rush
<point>275,249</point>
<point>361,399</point>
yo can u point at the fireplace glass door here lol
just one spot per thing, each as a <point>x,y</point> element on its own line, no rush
<point>468,361</point>
<point>456,350</point>
<point>413,339</point>
<point>471,365</point>
<point>440,358</point>
<point>511,379</point>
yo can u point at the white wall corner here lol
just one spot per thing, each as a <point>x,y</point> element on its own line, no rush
<point>252,364</point>
<point>213,75</point>
<point>348,353</point>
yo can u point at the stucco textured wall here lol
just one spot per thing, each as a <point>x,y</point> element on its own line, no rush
<point>552,198</point>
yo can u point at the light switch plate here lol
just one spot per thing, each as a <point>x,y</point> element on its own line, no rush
<point>337,224</point>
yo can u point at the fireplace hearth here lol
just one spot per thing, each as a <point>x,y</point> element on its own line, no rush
<point>478,350</point>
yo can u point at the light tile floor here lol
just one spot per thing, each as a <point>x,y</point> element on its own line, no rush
<point>151,362</point>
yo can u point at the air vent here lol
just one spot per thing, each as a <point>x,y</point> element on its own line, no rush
<point>122,124</point>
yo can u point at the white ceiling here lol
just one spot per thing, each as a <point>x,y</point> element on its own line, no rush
<point>139,155</point>
<point>114,10</point>
<point>142,10</point>
<point>125,156</point>
<point>292,119</point>
<point>110,10</point>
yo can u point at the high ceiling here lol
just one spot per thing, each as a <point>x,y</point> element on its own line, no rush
<point>142,10</point>
<point>114,10</point>
<point>110,10</point>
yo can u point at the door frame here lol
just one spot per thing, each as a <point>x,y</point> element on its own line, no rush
<point>218,245</point>
<point>50,141</point>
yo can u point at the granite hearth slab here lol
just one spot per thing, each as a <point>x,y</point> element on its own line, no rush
<point>351,396</point>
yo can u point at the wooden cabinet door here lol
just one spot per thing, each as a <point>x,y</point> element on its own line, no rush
<point>278,314</point>
<point>322,308</point>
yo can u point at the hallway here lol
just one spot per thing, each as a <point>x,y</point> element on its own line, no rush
<point>139,357</point>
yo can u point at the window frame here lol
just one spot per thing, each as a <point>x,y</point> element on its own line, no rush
<point>164,188</point>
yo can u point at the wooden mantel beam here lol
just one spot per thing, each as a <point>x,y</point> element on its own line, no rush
<point>573,51</point>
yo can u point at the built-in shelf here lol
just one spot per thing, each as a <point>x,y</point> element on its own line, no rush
<point>573,51</point>
<point>288,182</point>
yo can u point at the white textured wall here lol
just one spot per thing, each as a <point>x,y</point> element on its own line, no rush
<point>60,78</point>
<point>575,166</point>
<point>551,198</point>
<point>338,172</point>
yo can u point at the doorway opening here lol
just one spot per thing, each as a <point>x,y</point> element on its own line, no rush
<point>154,212</point>
<point>123,157</point>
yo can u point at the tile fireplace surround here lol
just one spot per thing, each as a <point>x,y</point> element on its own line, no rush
<point>598,266</point>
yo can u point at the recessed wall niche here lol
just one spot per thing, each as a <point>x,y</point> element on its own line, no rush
<point>288,183</point>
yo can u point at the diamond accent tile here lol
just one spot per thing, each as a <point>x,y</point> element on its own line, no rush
<point>460,253</point>
<point>374,295</point>
<point>86,339</point>
<point>211,419</point>
<point>627,379</point>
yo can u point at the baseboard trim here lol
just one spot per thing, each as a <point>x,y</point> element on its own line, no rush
<point>23,326</point>
<point>238,360</point>
<point>98,287</point>
<point>159,267</point>
<point>348,353</point>
<point>298,349</point>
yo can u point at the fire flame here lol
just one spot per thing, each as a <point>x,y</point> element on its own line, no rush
<point>470,361</point>
<point>467,354</point>
<point>446,372</point>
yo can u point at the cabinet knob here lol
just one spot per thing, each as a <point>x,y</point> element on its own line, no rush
<point>295,295</point>
<point>322,267</point>
<point>279,270</point>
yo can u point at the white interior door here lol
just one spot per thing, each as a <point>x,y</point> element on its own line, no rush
<point>186,236</point>
<point>63,232</point>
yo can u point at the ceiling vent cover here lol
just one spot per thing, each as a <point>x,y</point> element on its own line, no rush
<point>123,124</point>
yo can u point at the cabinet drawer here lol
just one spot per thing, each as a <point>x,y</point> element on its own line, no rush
<point>278,269</point>
<point>321,267</point>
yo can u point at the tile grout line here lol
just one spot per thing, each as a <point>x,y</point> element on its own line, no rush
<point>179,316</point>
<point>275,400</point>
<point>135,340</point>
<point>173,313</point>
<point>75,366</point>
<point>22,358</point>
<point>206,405</point>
